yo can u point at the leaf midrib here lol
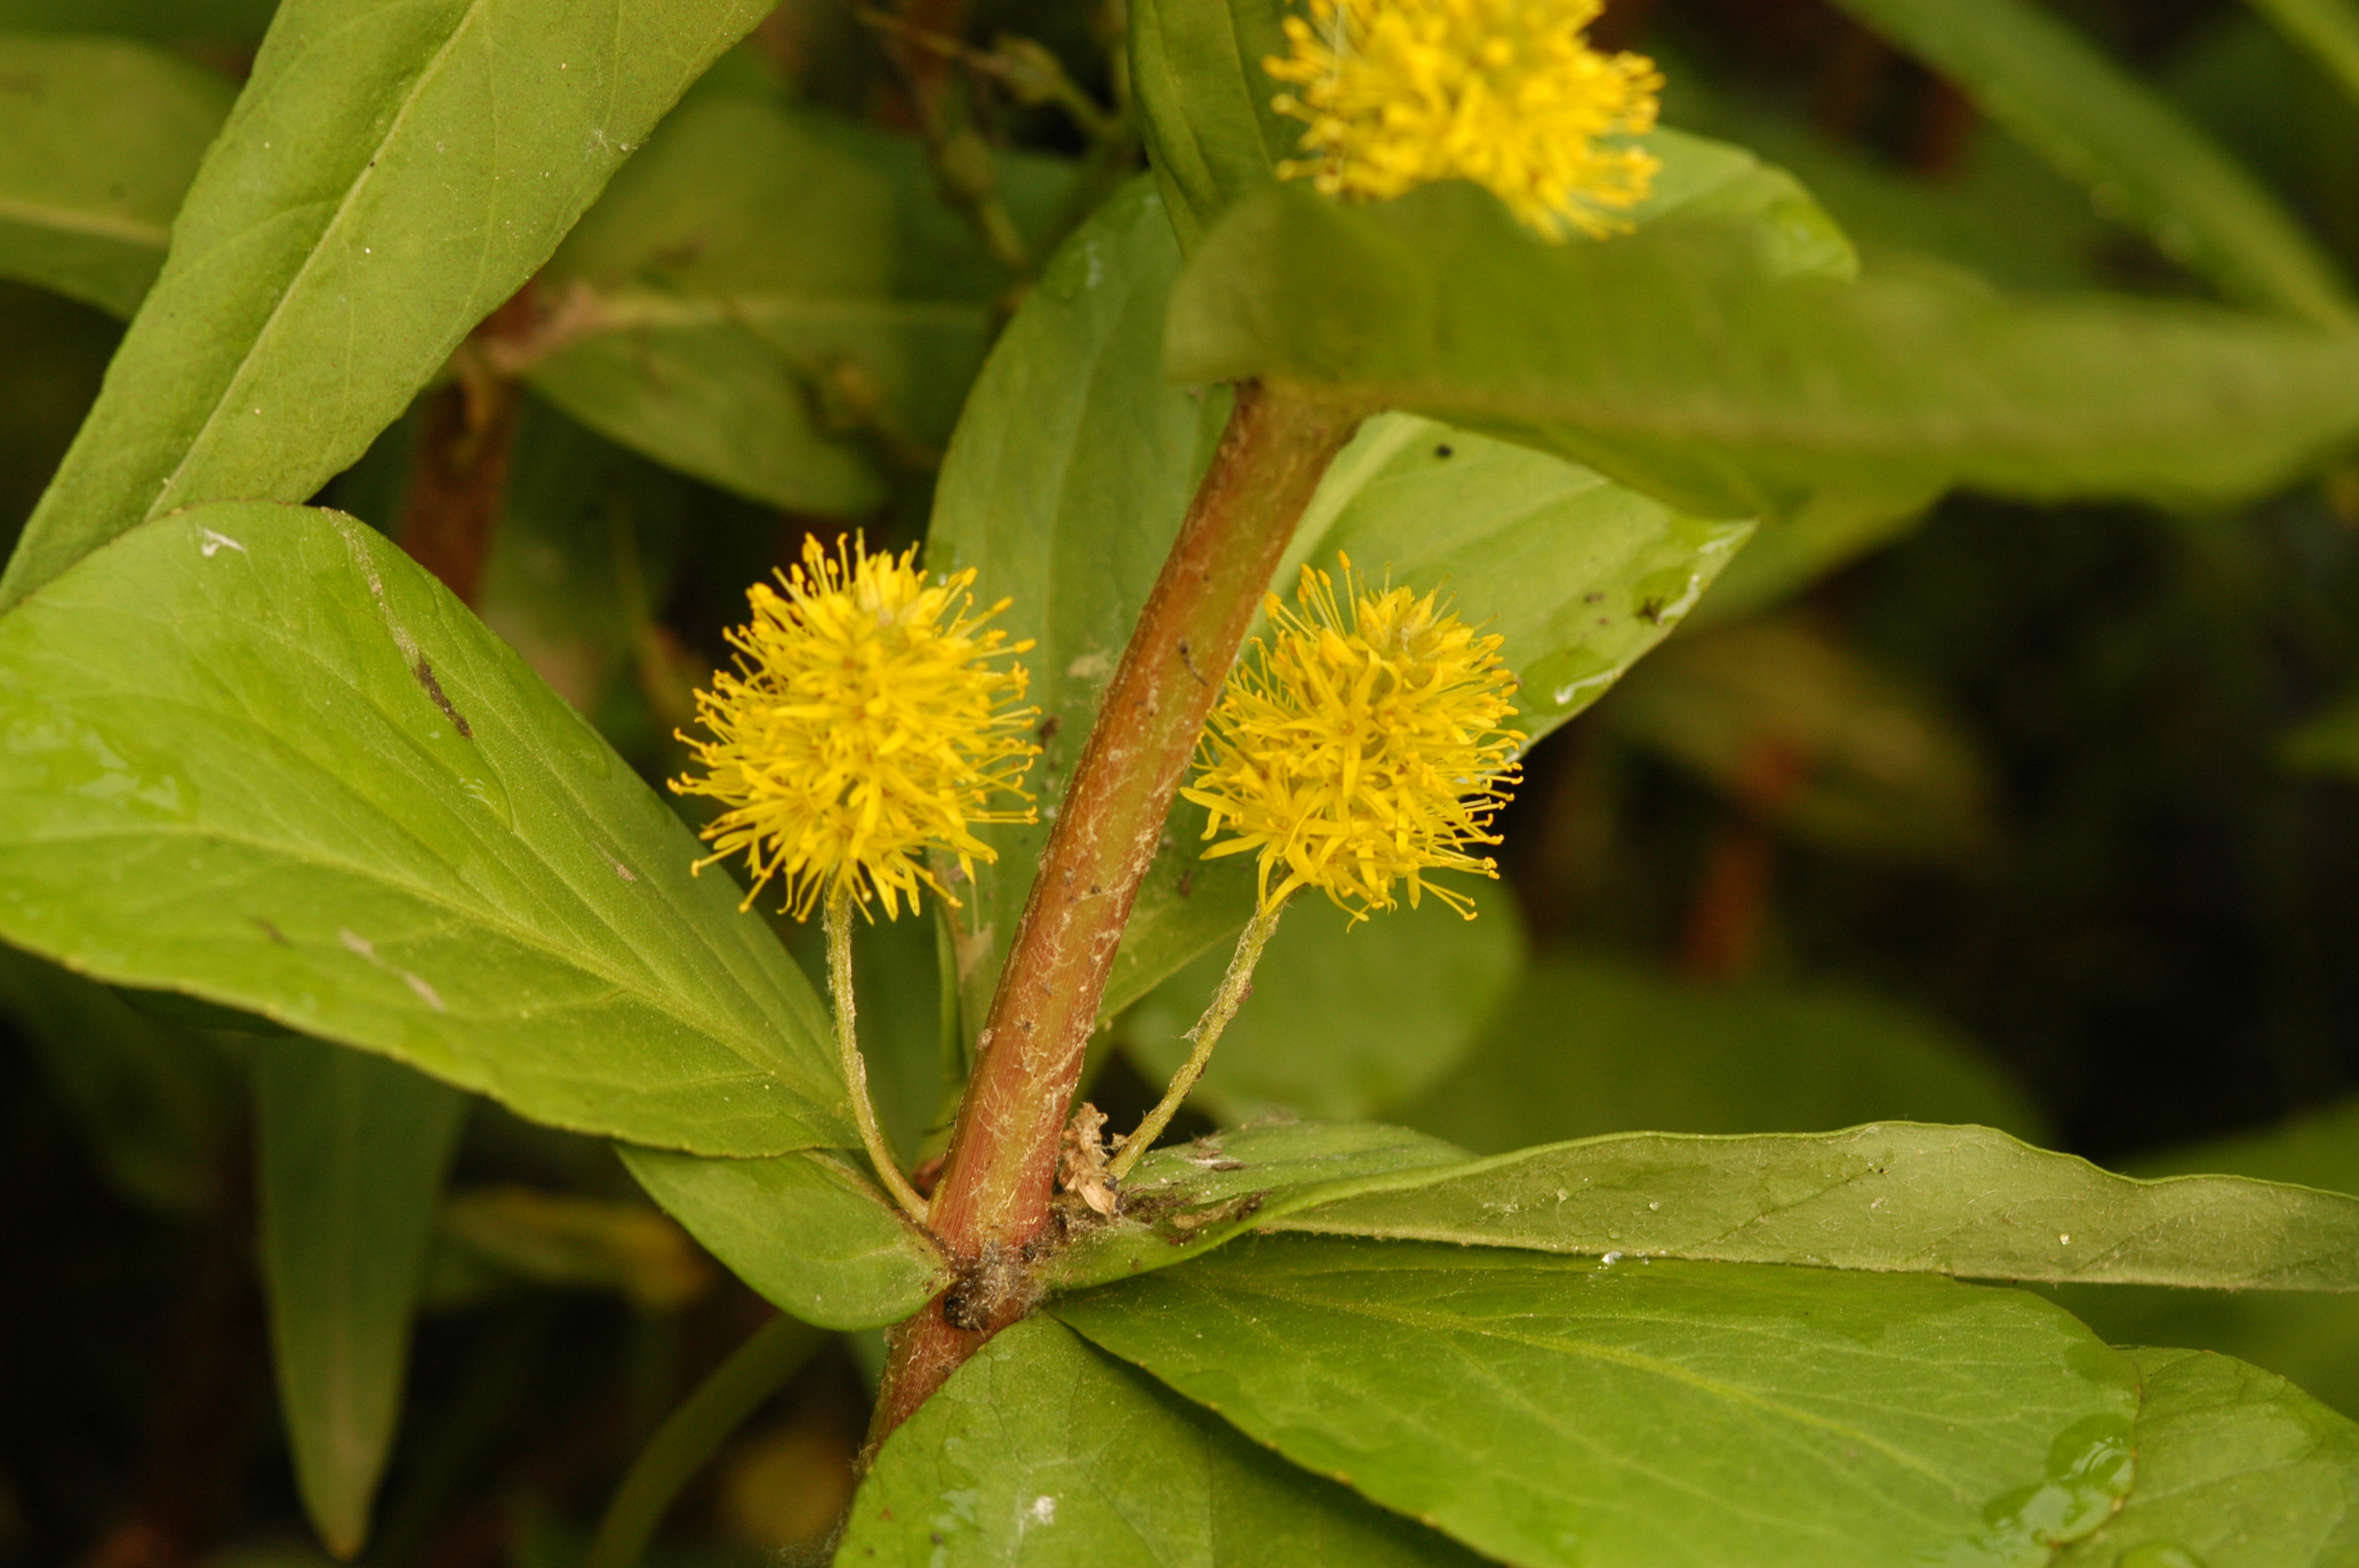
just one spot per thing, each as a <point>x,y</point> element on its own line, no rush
<point>166,499</point>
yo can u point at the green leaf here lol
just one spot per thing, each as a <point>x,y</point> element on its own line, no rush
<point>158,1102</point>
<point>351,1153</point>
<point>779,303</point>
<point>2312,1339</point>
<point>1806,733</point>
<point>1441,303</point>
<point>97,141</point>
<point>1897,1198</point>
<point>2235,1470</point>
<point>2099,126</point>
<point>1203,103</point>
<point>1996,208</point>
<point>1588,1044</point>
<point>816,1239</point>
<point>386,180</point>
<point>1045,1451</point>
<point>1346,1021</point>
<point>1073,466</point>
<point>1548,1411</point>
<point>2329,29</point>
<point>374,825</point>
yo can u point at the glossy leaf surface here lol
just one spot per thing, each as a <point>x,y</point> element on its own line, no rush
<point>1897,1198</point>
<point>1439,303</point>
<point>379,827</point>
<point>2235,1470</point>
<point>1548,1411</point>
<point>351,1153</point>
<point>388,176</point>
<point>1046,1451</point>
<point>97,141</point>
<point>815,1238</point>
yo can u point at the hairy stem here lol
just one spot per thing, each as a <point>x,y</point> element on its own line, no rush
<point>693,1433</point>
<point>997,1180</point>
<point>838,921</point>
<point>1204,1036</point>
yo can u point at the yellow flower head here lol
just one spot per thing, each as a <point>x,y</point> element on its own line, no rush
<point>1504,93</point>
<point>867,723</point>
<point>1357,750</point>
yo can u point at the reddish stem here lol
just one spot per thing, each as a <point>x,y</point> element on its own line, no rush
<point>992,1203</point>
<point>460,472</point>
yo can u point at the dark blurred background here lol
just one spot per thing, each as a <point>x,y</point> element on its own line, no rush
<point>2045,817</point>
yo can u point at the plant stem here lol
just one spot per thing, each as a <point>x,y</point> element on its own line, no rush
<point>1000,1172</point>
<point>691,1435</point>
<point>838,921</point>
<point>1205,1035</point>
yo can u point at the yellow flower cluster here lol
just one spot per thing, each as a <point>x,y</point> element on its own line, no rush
<point>866,722</point>
<point>1504,93</point>
<point>1360,749</point>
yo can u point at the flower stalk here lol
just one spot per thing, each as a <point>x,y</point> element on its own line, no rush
<point>1234,986</point>
<point>838,923</point>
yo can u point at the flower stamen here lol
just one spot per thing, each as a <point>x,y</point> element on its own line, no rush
<point>1506,93</point>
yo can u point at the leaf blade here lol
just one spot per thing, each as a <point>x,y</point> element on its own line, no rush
<point>405,841</point>
<point>814,1239</point>
<point>97,146</point>
<point>2099,126</point>
<point>1563,1414</point>
<point>2237,1469</point>
<point>1793,390</point>
<point>277,341</point>
<point>351,1154</point>
<point>1044,1451</point>
<point>1898,1196</point>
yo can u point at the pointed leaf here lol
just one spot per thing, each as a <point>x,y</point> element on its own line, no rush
<point>2099,126</point>
<point>1044,1451</point>
<point>814,1238</point>
<point>373,824</point>
<point>1555,1412</point>
<point>352,1150</point>
<point>2329,29</point>
<point>97,141</point>
<point>388,176</point>
<point>1792,390</point>
<point>1897,1198</point>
